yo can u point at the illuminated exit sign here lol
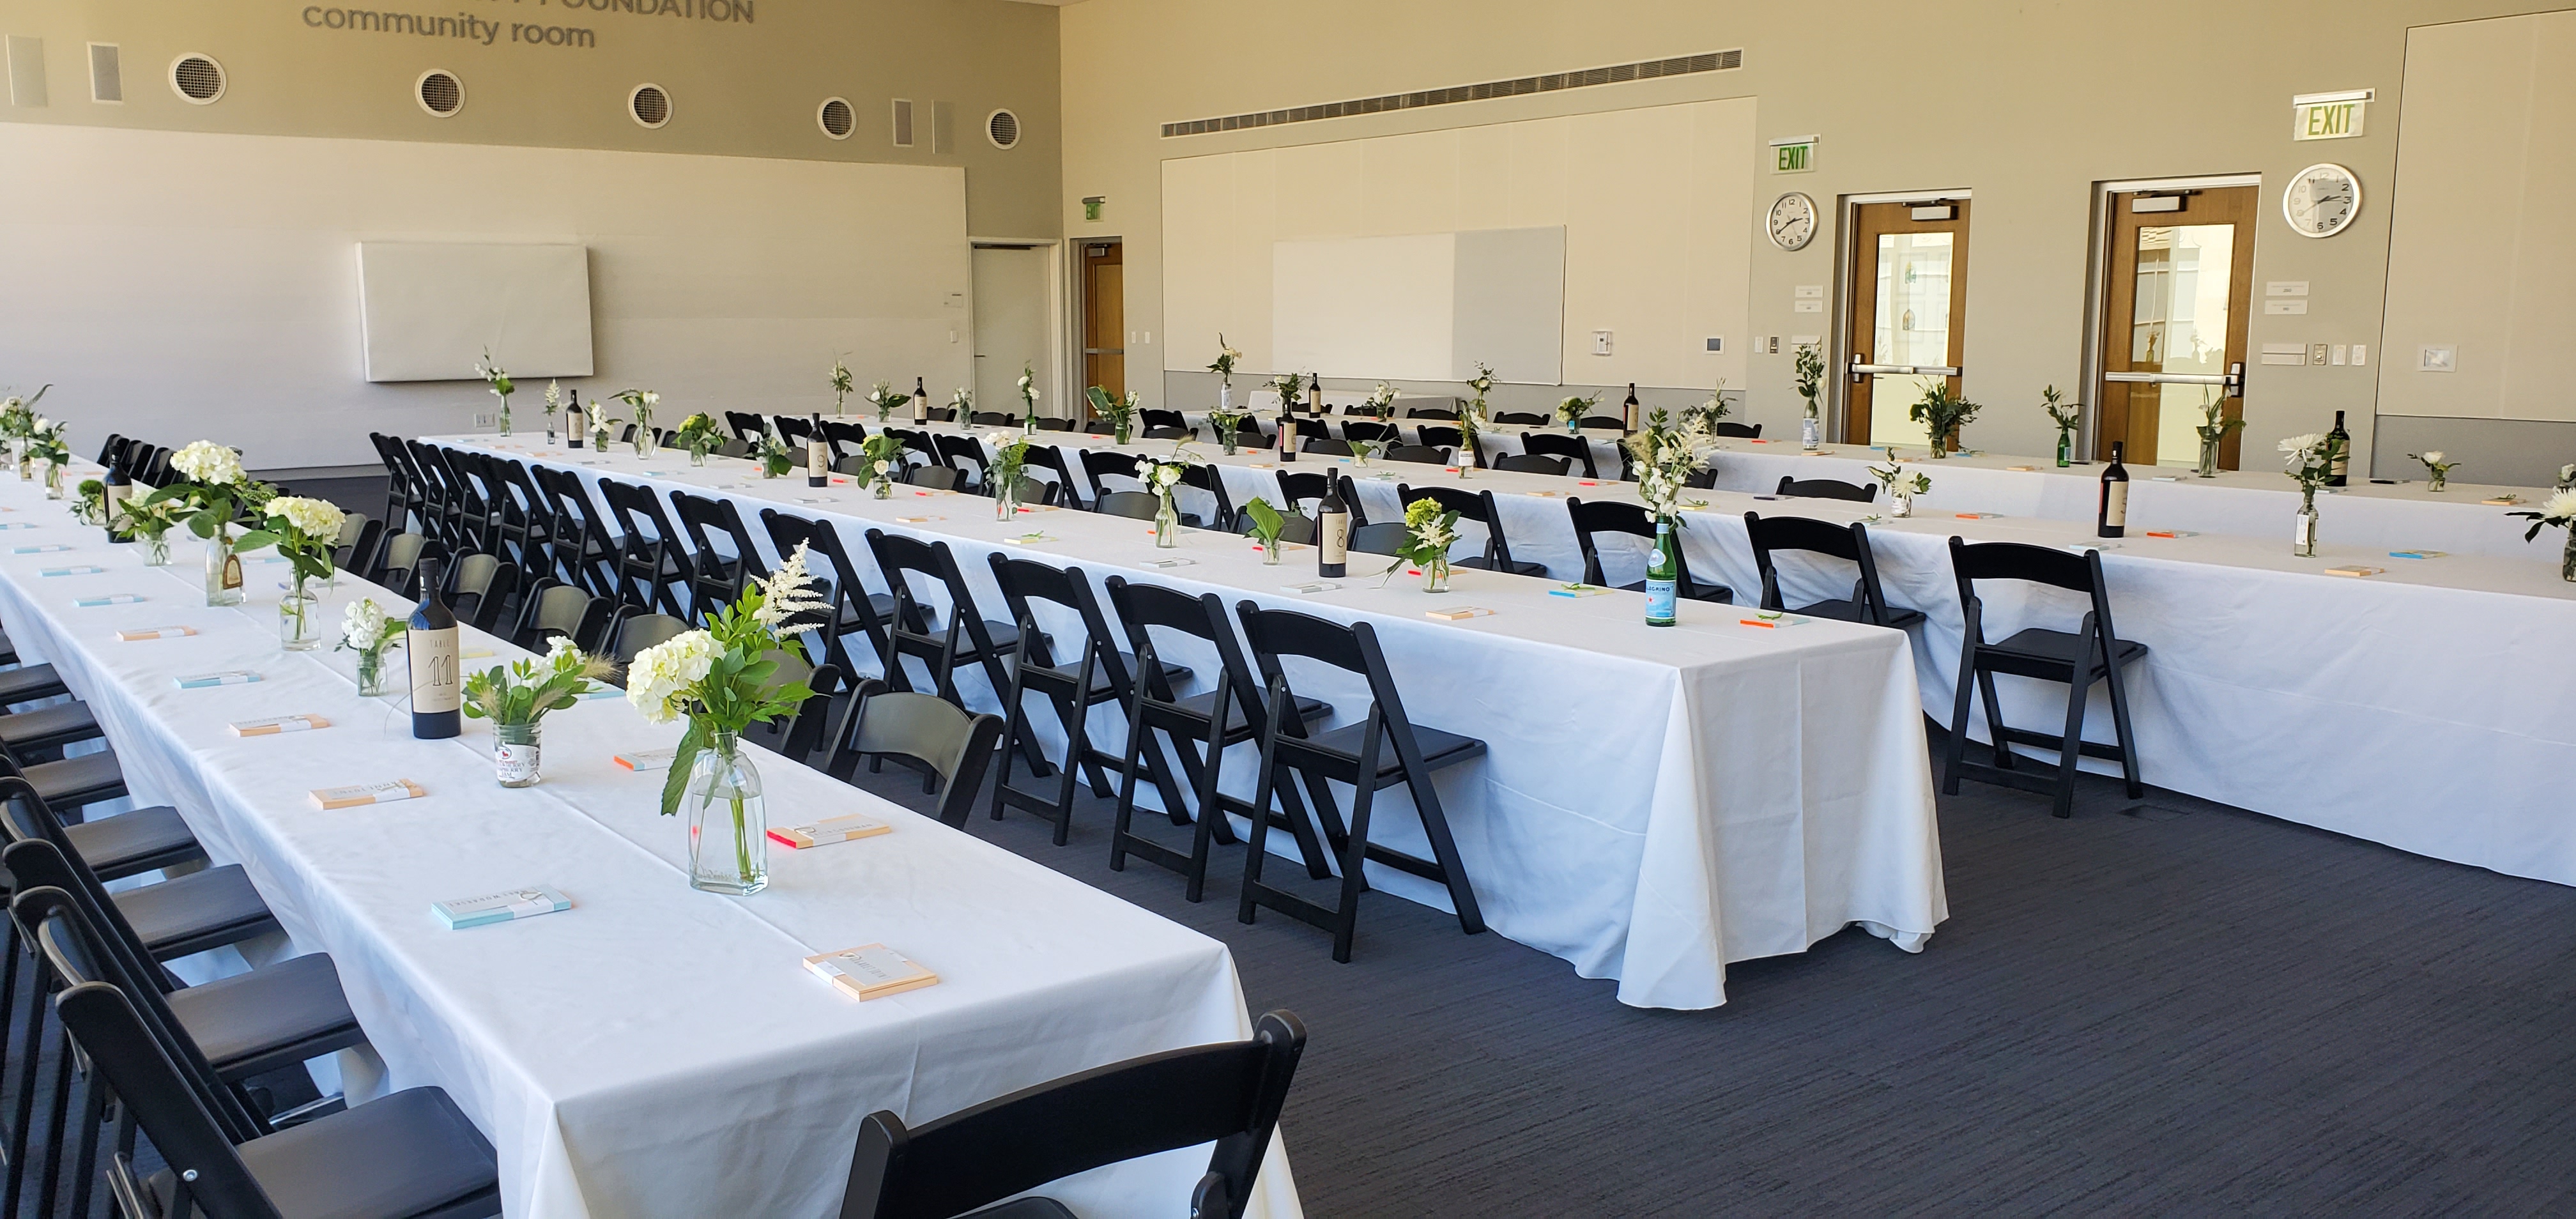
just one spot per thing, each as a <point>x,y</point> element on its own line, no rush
<point>1793,155</point>
<point>2329,116</point>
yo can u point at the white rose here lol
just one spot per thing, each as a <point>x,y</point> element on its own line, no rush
<point>881,466</point>
<point>2433,457</point>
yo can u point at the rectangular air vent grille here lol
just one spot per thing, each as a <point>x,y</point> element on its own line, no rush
<point>1687,65</point>
<point>106,79</point>
<point>903,122</point>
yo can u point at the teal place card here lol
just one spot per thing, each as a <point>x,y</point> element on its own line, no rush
<point>84,569</point>
<point>110,599</point>
<point>229,677</point>
<point>499,907</point>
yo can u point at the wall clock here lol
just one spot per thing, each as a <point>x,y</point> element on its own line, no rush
<point>1792,223</point>
<point>2321,200</point>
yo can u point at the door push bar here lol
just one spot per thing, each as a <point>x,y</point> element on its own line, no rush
<point>1860,370</point>
<point>2233,382</point>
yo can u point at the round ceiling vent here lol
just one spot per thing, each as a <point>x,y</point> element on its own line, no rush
<point>1003,128</point>
<point>836,118</point>
<point>439,92</point>
<point>198,78</point>
<point>650,105</point>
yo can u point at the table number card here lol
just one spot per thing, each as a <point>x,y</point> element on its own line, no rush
<point>277,724</point>
<point>155,632</point>
<point>499,907</point>
<point>870,971</point>
<point>848,828</point>
<point>85,569</point>
<point>640,760</point>
<point>110,599</point>
<point>357,794</point>
<point>229,677</point>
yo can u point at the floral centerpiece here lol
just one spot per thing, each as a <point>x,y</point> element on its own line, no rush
<point>2438,464</point>
<point>2068,416</point>
<point>962,403</point>
<point>305,531</point>
<point>215,491</point>
<point>1472,422</point>
<point>642,402</point>
<point>1291,390</point>
<point>885,397</point>
<point>1942,412</point>
<point>499,381</point>
<point>89,502</point>
<point>1429,531</point>
<point>1162,476</point>
<point>1029,399</point>
<point>1664,455</point>
<point>1381,402</point>
<point>2558,511</point>
<point>149,523</point>
<point>1362,450</point>
<point>516,700</point>
<point>723,679</point>
<point>1268,524</point>
<point>1810,373</point>
<point>1229,424</point>
<point>1010,462</point>
<point>1574,410</point>
<point>552,402</point>
<point>698,435</point>
<point>882,455</point>
<point>17,420</point>
<point>2309,460</point>
<point>1707,414</point>
<point>2213,430</point>
<point>49,441</point>
<point>366,629</point>
<point>2567,476</point>
<point>1902,485</point>
<point>1224,370</point>
<point>1119,412</point>
<point>771,451</point>
<point>602,426</point>
<point>842,384</point>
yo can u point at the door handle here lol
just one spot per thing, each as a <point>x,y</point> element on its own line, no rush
<point>2233,381</point>
<point>1860,370</point>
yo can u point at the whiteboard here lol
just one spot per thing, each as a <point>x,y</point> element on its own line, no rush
<point>1421,307</point>
<point>429,310</point>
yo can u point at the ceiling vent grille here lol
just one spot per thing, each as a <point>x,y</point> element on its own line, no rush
<point>1003,128</point>
<point>903,122</point>
<point>1651,69</point>
<point>835,118</point>
<point>439,93</point>
<point>106,76</point>
<point>649,105</point>
<point>197,78</point>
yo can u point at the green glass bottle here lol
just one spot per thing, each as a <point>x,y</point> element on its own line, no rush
<point>1663,575</point>
<point>2065,447</point>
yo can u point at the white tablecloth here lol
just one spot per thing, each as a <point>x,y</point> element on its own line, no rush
<point>1655,803</point>
<point>654,1050</point>
<point>2431,708</point>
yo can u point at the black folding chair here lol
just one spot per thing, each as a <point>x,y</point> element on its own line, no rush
<point>1099,464</point>
<point>1850,543</point>
<point>1572,448</point>
<point>717,579</point>
<point>1826,488</point>
<point>747,427</point>
<point>1612,517</point>
<point>796,430</point>
<point>968,638</point>
<point>1477,506</point>
<point>555,609</point>
<point>1228,1094</point>
<point>1375,433</point>
<point>1356,754</point>
<point>963,454</point>
<point>854,607</point>
<point>1534,463</point>
<point>1739,431</point>
<point>1100,674</point>
<point>587,551</point>
<point>1049,457</point>
<point>1520,419</point>
<point>2093,653</point>
<point>652,562</point>
<point>844,437</point>
<point>954,746</point>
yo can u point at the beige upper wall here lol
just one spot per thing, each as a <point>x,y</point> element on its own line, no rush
<point>738,88</point>
<point>2027,106</point>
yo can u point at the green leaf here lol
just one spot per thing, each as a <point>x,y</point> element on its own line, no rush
<point>676,784</point>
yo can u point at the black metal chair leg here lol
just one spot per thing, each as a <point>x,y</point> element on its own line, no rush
<point>1346,915</point>
<point>85,1167</point>
<point>2128,739</point>
<point>1995,720</point>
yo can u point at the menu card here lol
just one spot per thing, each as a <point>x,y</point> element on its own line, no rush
<point>870,971</point>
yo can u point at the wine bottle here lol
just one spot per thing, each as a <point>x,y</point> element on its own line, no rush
<point>1287,434</point>
<point>1663,576</point>
<point>1332,531</point>
<point>2113,515</point>
<point>2342,442</point>
<point>1628,410</point>
<point>573,430</point>
<point>1315,394</point>
<point>921,404</point>
<point>117,488</point>
<point>818,454</point>
<point>437,689</point>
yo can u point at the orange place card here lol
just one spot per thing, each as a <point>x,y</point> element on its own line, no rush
<point>2355,570</point>
<point>276,724</point>
<point>2506,500</point>
<point>870,971</point>
<point>648,759</point>
<point>915,520</point>
<point>1459,614</point>
<point>156,632</point>
<point>367,793</point>
<point>1976,516</point>
<point>2173,533</point>
<point>830,830</point>
<point>1772,621</point>
<point>2023,469</point>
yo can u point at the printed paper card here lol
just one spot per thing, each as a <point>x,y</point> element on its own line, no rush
<point>1459,613</point>
<point>156,632</point>
<point>47,548</point>
<point>229,677</point>
<point>276,724</point>
<point>110,599</point>
<point>1768,618</point>
<point>1309,588</point>
<point>1168,564</point>
<point>2355,570</point>
<point>2173,533</point>
<point>356,794</point>
<point>84,569</point>
<point>648,759</point>
<point>2419,554</point>
<point>499,907</point>
<point>17,524</point>
<point>870,971</point>
<point>830,830</point>
<point>1577,590</point>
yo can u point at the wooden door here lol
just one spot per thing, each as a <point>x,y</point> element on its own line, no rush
<point>2178,287</point>
<point>1104,317</point>
<point>1909,303</point>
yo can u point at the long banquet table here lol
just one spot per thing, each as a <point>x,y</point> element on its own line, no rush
<point>654,1050</point>
<point>2431,707</point>
<point>1654,804</point>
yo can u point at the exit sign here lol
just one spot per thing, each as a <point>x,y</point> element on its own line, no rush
<point>1793,155</point>
<point>2329,116</point>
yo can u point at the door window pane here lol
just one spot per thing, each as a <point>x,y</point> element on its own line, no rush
<point>2180,326</point>
<point>1912,326</point>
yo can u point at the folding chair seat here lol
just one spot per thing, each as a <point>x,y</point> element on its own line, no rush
<point>2094,652</point>
<point>954,745</point>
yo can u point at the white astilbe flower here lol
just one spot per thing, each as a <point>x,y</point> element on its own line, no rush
<point>789,593</point>
<point>362,623</point>
<point>315,518</point>
<point>206,462</point>
<point>662,677</point>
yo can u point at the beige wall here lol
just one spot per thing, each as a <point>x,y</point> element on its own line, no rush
<point>2027,106</point>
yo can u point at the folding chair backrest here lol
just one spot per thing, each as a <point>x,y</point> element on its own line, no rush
<point>477,584</point>
<point>1477,506</point>
<point>1534,463</point>
<point>844,436</point>
<point>937,478</point>
<point>1383,537</point>
<point>794,429</point>
<point>1358,429</point>
<point>1098,463</point>
<point>849,594</point>
<point>1612,516</point>
<point>556,609</point>
<point>404,553</point>
<point>1134,504</point>
<point>1204,477</point>
<point>104,1024</point>
<point>1026,580</point>
<point>1142,607</point>
<point>698,514</point>
<point>1826,488</point>
<point>1737,430</point>
<point>1430,412</point>
<point>640,631</point>
<point>2037,565</point>
<point>954,449</point>
<point>1296,489</point>
<point>1572,448</point>
<point>1352,648</point>
<point>746,426</point>
<point>1442,437</point>
<point>1156,417</point>
<point>1049,457</point>
<point>956,743</point>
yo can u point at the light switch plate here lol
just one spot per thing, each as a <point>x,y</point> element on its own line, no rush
<point>2437,358</point>
<point>2316,353</point>
<point>1600,342</point>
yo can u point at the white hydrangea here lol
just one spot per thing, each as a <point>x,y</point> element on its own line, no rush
<point>662,675</point>
<point>315,518</point>
<point>207,462</point>
<point>362,623</point>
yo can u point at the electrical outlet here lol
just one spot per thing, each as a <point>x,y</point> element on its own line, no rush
<point>487,421</point>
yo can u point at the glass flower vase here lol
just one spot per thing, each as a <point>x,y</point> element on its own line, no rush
<point>2441,480</point>
<point>2303,542</point>
<point>2567,561</point>
<point>223,570</point>
<point>1167,523</point>
<point>1125,431</point>
<point>516,749</point>
<point>2208,459</point>
<point>1940,448</point>
<point>54,480</point>
<point>882,488</point>
<point>371,673</point>
<point>505,416</point>
<point>697,456</point>
<point>728,824</point>
<point>643,440</point>
<point>1270,548</point>
<point>1900,506</point>
<point>1006,503</point>
<point>156,549</point>
<point>1435,576</point>
<point>299,625</point>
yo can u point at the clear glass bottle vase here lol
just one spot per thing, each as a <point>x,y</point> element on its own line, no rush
<point>299,618</point>
<point>1435,576</point>
<point>2303,541</point>
<point>223,569</point>
<point>2208,459</point>
<point>2567,561</point>
<point>1167,524</point>
<point>728,823</point>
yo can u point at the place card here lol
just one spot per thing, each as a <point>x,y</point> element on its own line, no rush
<point>500,907</point>
<point>84,569</point>
<point>870,971</point>
<point>1772,619</point>
<point>356,794</point>
<point>156,632</point>
<point>475,654</point>
<point>917,520</point>
<point>1168,564</point>
<point>2165,478</point>
<point>640,760</point>
<point>1976,516</point>
<point>2173,533</point>
<point>1310,587</point>
<point>276,724</point>
<point>2419,554</point>
<point>46,548</point>
<point>1458,614</point>
<point>17,524</point>
<point>2506,501</point>
<point>229,677</point>
<point>1577,590</point>
<point>2023,469</point>
<point>2355,570</point>
<point>110,599</point>
<point>830,830</point>
<point>1031,539</point>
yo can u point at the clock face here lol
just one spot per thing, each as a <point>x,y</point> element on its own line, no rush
<point>2321,200</point>
<point>1793,221</point>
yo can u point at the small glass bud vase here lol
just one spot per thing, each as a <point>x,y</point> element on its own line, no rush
<point>883,488</point>
<point>697,456</point>
<point>1811,435</point>
<point>54,480</point>
<point>223,570</point>
<point>298,623</point>
<point>505,416</point>
<point>371,674</point>
<point>156,550</point>
<point>1126,430</point>
<point>2303,542</point>
<point>643,440</point>
<point>728,823</point>
<point>2441,481</point>
<point>515,752</point>
<point>1005,504</point>
<point>2208,459</point>
<point>599,439</point>
<point>1435,576</point>
<point>1270,548</point>
<point>1167,524</point>
<point>2567,561</point>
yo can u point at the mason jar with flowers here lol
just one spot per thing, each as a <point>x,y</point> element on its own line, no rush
<point>517,698</point>
<point>304,531</point>
<point>882,457</point>
<point>1429,532</point>
<point>698,435</point>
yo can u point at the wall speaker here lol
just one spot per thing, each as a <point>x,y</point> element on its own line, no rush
<point>198,79</point>
<point>903,122</point>
<point>106,75</point>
